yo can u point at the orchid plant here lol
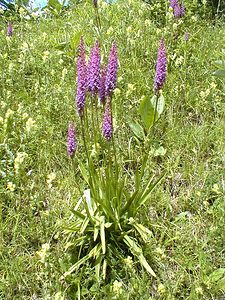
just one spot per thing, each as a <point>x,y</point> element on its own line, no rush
<point>104,221</point>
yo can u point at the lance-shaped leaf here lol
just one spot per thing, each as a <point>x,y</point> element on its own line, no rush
<point>137,251</point>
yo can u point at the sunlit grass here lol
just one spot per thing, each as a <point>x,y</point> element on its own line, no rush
<point>37,100</point>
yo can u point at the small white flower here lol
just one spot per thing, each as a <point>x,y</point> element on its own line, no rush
<point>11,186</point>
<point>117,287</point>
<point>50,178</point>
<point>20,157</point>
<point>30,124</point>
<point>9,113</point>
<point>43,252</point>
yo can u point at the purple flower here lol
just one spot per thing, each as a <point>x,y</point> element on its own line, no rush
<point>107,129</point>
<point>102,95</point>
<point>160,77</point>
<point>177,11</point>
<point>94,70</point>
<point>9,29</point>
<point>173,3</point>
<point>81,79</point>
<point>71,140</point>
<point>186,36</point>
<point>111,74</point>
<point>182,10</point>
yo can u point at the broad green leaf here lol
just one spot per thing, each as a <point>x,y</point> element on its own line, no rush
<point>102,233</point>
<point>216,275</point>
<point>146,265</point>
<point>84,225</point>
<point>137,129</point>
<point>92,253</point>
<point>90,204</point>
<point>84,172</point>
<point>104,267</point>
<point>144,232</point>
<point>221,284</point>
<point>55,4</point>
<point>148,190</point>
<point>98,267</point>
<point>219,73</point>
<point>78,214</point>
<point>159,152</point>
<point>96,231</point>
<point>129,202</point>
<point>76,265</point>
<point>137,251</point>
<point>75,40</point>
<point>220,63</point>
<point>146,111</point>
<point>160,103</point>
<point>132,245</point>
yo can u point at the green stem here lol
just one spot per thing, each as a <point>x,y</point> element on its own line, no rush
<point>84,139</point>
<point>155,112</point>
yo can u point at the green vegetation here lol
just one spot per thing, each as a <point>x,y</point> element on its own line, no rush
<point>185,213</point>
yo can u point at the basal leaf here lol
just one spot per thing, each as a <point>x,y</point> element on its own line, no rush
<point>160,103</point>
<point>84,172</point>
<point>220,63</point>
<point>146,111</point>
<point>219,73</point>
<point>137,129</point>
<point>137,251</point>
<point>102,233</point>
<point>217,275</point>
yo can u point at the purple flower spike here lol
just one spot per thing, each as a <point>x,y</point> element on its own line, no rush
<point>160,77</point>
<point>94,70</point>
<point>173,3</point>
<point>107,129</point>
<point>182,10</point>
<point>186,36</point>
<point>111,74</point>
<point>177,11</point>
<point>71,140</point>
<point>102,86</point>
<point>81,80</point>
<point>9,29</point>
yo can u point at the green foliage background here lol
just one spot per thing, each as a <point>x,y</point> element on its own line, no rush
<point>186,212</point>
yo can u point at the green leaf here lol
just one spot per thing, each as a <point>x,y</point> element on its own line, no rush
<point>219,73</point>
<point>137,251</point>
<point>104,267</point>
<point>159,152</point>
<point>144,232</point>
<point>146,265</point>
<point>137,129</point>
<point>102,233</point>
<point>221,284</point>
<point>76,265</point>
<point>96,231</point>
<point>78,214</point>
<point>145,196</point>
<point>93,253</point>
<point>216,275</point>
<point>75,40</point>
<point>84,225</point>
<point>160,102</point>
<point>55,4</point>
<point>146,111</point>
<point>84,172</point>
<point>220,63</point>
<point>129,202</point>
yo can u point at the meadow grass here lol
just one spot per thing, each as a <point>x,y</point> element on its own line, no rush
<point>37,190</point>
